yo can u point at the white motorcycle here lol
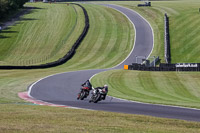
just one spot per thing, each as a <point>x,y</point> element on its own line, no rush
<point>98,94</point>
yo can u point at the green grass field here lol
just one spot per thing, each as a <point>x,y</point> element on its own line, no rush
<point>107,43</point>
<point>27,118</point>
<point>85,55</point>
<point>45,34</point>
<point>171,88</point>
<point>184,27</point>
<point>98,50</point>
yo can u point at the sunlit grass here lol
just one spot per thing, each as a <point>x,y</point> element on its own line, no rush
<point>93,53</point>
<point>172,88</point>
<point>184,27</point>
<point>27,118</point>
<point>46,33</point>
<point>98,50</point>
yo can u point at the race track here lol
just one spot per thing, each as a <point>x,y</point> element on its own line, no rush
<point>62,88</point>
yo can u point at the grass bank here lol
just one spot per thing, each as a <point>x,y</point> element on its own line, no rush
<point>26,118</point>
<point>107,43</point>
<point>45,34</point>
<point>172,88</point>
<point>96,50</point>
<point>184,27</point>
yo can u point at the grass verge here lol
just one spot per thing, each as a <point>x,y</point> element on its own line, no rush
<point>172,88</point>
<point>184,30</point>
<point>26,118</point>
<point>42,35</point>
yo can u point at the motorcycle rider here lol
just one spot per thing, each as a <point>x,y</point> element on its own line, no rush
<point>106,90</point>
<point>86,84</point>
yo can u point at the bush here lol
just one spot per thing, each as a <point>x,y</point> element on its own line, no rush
<point>6,6</point>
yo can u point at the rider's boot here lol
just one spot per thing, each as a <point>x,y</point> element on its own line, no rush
<point>104,97</point>
<point>78,96</point>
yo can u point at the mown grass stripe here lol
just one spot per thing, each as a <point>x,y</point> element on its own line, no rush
<point>149,88</point>
<point>153,87</point>
<point>179,89</point>
<point>108,41</point>
<point>91,44</point>
<point>167,90</point>
<point>31,48</point>
<point>100,47</point>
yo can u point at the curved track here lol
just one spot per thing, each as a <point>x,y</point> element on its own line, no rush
<point>62,88</point>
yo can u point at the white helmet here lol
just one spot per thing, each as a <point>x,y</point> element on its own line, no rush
<point>106,86</point>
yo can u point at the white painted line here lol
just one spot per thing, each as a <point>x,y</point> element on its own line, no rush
<point>134,38</point>
<point>30,88</point>
<point>156,104</point>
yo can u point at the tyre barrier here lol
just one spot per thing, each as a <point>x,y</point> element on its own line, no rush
<point>64,59</point>
<point>166,67</point>
<point>146,4</point>
<point>167,40</point>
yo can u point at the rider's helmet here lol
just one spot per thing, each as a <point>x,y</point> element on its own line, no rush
<point>105,86</point>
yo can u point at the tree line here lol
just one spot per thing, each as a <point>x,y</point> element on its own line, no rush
<point>7,6</point>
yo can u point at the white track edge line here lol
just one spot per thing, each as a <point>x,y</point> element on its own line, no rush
<point>134,26</point>
<point>134,38</point>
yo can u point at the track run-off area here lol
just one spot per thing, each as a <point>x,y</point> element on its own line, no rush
<point>62,89</point>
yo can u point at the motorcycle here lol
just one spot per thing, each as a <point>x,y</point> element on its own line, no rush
<point>84,93</point>
<point>98,95</point>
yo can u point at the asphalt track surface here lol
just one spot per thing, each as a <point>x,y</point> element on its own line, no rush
<point>62,89</point>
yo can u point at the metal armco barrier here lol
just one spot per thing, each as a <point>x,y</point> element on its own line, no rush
<point>167,67</point>
<point>64,59</point>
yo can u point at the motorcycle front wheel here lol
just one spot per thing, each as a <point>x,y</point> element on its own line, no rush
<point>82,95</point>
<point>97,97</point>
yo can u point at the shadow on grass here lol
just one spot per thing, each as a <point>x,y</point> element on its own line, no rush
<point>17,19</point>
<point>5,31</point>
<point>27,19</point>
<point>3,37</point>
<point>28,10</point>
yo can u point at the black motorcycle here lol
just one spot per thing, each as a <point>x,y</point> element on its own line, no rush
<point>98,95</point>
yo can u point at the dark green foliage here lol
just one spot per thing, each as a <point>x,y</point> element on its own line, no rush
<point>6,6</point>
